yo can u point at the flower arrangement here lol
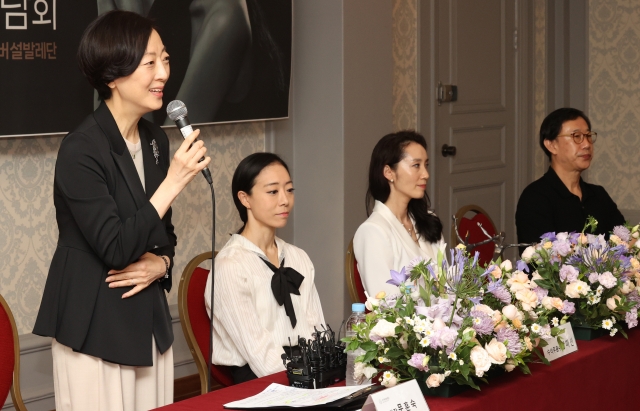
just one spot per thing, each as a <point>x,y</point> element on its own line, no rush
<point>452,320</point>
<point>597,277</point>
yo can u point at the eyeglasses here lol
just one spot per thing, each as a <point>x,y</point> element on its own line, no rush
<point>578,136</point>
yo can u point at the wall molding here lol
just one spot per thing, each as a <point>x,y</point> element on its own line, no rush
<point>36,368</point>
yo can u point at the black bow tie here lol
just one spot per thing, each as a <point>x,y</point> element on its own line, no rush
<point>285,281</point>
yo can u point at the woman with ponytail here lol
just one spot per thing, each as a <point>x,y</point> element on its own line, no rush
<point>400,227</point>
<point>264,293</point>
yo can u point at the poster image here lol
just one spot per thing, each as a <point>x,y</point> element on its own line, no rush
<point>230,60</point>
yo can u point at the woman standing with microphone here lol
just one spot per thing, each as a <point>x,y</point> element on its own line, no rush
<point>104,301</point>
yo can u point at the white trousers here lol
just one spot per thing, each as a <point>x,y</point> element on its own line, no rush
<point>83,382</point>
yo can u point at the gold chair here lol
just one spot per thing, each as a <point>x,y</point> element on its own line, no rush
<point>468,229</point>
<point>196,323</point>
<point>354,282</point>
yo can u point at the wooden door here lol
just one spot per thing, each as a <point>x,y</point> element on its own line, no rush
<point>475,51</point>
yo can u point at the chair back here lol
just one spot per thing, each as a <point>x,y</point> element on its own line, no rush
<point>9,358</point>
<point>196,323</point>
<point>354,282</point>
<point>468,218</point>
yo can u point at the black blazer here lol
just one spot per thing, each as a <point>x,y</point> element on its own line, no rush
<point>105,221</point>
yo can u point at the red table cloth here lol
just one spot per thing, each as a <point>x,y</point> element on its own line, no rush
<point>599,376</point>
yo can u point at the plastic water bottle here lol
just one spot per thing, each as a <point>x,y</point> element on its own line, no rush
<point>357,317</point>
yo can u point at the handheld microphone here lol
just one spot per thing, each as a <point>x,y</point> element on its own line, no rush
<point>177,111</point>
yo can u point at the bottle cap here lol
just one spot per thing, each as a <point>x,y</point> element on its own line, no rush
<point>357,307</point>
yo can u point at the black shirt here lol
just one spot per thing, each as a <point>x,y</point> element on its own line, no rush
<point>548,205</point>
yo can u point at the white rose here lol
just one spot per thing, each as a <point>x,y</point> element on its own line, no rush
<point>576,289</point>
<point>510,311</point>
<point>484,308</point>
<point>383,329</point>
<point>510,365</point>
<point>469,333</point>
<point>518,281</point>
<point>627,287</point>
<point>611,302</point>
<point>528,298</point>
<point>372,303</point>
<point>546,303</point>
<point>403,342</point>
<point>369,371</point>
<point>528,253</point>
<point>389,379</point>
<point>480,360</point>
<point>497,351</point>
<point>435,380</point>
<point>506,265</point>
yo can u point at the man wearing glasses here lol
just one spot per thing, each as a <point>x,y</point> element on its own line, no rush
<point>561,200</point>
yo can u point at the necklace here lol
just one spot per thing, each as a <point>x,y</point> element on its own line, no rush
<point>133,153</point>
<point>409,230</point>
<point>133,148</point>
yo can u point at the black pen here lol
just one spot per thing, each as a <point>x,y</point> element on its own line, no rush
<point>358,393</point>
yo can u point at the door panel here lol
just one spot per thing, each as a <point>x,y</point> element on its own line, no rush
<point>490,154</point>
<point>475,52</point>
<point>477,44</point>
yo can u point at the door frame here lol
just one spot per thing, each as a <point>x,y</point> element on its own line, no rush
<point>426,121</point>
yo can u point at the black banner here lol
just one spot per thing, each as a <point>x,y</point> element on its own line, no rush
<point>234,66</point>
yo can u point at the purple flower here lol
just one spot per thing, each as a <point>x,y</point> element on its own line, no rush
<point>422,310</point>
<point>561,247</point>
<point>550,236</point>
<point>522,266</point>
<point>513,340</point>
<point>540,292</point>
<point>375,338</point>
<point>398,278</point>
<point>545,331</point>
<point>633,296</point>
<point>499,291</point>
<point>475,300</point>
<point>632,317</point>
<point>607,279</point>
<point>481,322</point>
<point>489,270</point>
<point>622,232</point>
<point>593,277</point>
<point>444,337</point>
<point>417,360</point>
<point>568,307</point>
<point>568,273</point>
<point>574,237</point>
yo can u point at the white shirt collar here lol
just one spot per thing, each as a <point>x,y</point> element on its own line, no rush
<point>241,241</point>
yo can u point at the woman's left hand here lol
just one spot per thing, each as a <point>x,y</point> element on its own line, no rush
<point>138,275</point>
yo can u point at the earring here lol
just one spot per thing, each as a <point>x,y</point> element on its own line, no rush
<point>392,180</point>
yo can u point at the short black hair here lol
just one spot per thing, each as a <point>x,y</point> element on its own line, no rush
<point>244,178</point>
<point>388,152</point>
<point>552,124</point>
<point>112,47</point>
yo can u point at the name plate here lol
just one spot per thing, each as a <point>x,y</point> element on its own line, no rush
<point>553,350</point>
<point>403,397</point>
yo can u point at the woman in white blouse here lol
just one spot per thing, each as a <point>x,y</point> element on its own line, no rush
<point>401,227</point>
<point>264,293</point>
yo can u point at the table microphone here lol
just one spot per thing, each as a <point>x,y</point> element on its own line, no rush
<point>177,111</point>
